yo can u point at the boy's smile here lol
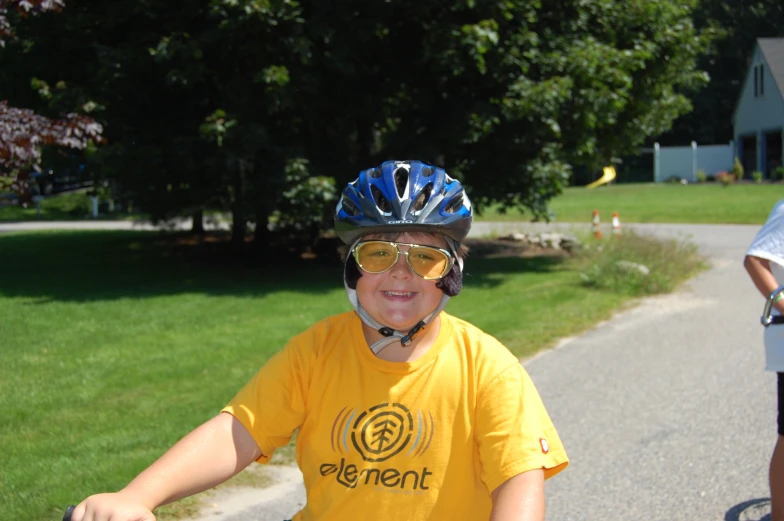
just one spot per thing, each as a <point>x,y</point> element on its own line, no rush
<point>399,295</point>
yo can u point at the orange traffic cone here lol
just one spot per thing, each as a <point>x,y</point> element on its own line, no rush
<point>597,232</point>
<point>616,224</point>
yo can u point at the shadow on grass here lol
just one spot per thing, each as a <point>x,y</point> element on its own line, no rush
<point>82,266</point>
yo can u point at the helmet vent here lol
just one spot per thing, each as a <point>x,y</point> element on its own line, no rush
<point>455,204</point>
<point>422,199</point>
<point>428,171</point>
<point>349,207</point>
<point>401,180</point>
<point>376,173</point>
<point>382,202</point>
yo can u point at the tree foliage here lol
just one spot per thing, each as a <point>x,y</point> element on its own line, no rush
<point>23,132</point>
<point>736,24</point>
<point>206,103</point>
<point>23,8</point>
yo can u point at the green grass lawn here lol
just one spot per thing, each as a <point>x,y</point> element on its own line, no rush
<point>72,206</point>
<point>18,214</point>
<point>116,344</point>
<point>742,203</point>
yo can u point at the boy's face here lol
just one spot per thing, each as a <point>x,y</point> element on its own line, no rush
<point>399,298</point>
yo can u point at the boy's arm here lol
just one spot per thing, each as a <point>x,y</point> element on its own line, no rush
<point>759,271</point>
<point>520,498</point>
<point>206,457</point>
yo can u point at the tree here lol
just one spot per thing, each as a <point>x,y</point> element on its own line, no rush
<point>737,24</point>
<point>24,8</point>
<point>22,132</point>
<point>206,104</point>
<point>169,91</point>
<point>509,96</point>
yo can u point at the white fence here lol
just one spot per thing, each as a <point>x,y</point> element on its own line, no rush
<point>685,162</point>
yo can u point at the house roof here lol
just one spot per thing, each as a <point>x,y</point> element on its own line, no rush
<point>773,51</point>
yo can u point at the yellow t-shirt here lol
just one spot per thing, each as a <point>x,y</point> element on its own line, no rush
<point>429,439</point>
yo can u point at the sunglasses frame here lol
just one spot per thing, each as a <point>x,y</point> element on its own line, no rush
<point>448,254</point>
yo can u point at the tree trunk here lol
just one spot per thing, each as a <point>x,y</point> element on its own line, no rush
<point>262,237</point>
<point>198,222</point>
<point>365,135</point>
<point>265,166</point>
<point>238,227</point>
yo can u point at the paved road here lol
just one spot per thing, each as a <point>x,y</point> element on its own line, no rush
<point>665,410</point>
<point>180,224</point>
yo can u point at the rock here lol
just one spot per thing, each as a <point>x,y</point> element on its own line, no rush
<point>633,266</point>
<point>514,236</point>
<point>570,244</point>
<point>551,240</point>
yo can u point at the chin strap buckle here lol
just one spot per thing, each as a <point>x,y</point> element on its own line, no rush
<point>406,340</point>
<point>386,331</point>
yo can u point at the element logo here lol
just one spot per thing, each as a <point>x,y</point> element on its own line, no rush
<point>377,434</point>
<point>382,431</point>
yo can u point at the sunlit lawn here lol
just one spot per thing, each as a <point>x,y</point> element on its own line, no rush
<point>743,203</point>
<point>115,344</point>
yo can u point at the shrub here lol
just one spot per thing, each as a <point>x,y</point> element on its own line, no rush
<point>777,174</point>
<point>757,176</point>
<point>304,209</point>
<point>701,176</point>
<point>724,178</point>
<point>617,265</point>
<point>737,169</point>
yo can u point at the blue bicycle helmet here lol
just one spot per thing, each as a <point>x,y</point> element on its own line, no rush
<point>403,196</point>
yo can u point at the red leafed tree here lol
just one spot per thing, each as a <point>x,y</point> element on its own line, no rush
<point>23,132</point>
<point>25,8</point>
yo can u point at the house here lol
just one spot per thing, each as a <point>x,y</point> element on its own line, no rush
<point>759,113</point>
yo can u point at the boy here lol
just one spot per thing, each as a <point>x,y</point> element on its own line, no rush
<point>402,411</point>
<point>764,262</point>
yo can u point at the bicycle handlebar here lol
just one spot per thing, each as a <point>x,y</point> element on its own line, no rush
<point>767,318</point>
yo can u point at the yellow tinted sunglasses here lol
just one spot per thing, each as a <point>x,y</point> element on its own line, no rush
<point>428,262</point>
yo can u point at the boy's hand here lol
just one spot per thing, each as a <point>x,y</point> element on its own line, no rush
<point>114,507</point>
<point>206,457</point>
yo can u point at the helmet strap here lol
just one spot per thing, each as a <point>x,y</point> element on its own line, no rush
<point>392,336</point>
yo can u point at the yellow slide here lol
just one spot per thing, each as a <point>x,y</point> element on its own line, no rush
<point>609,175</point>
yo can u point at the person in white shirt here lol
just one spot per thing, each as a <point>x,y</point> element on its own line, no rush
<point>764,262</point>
